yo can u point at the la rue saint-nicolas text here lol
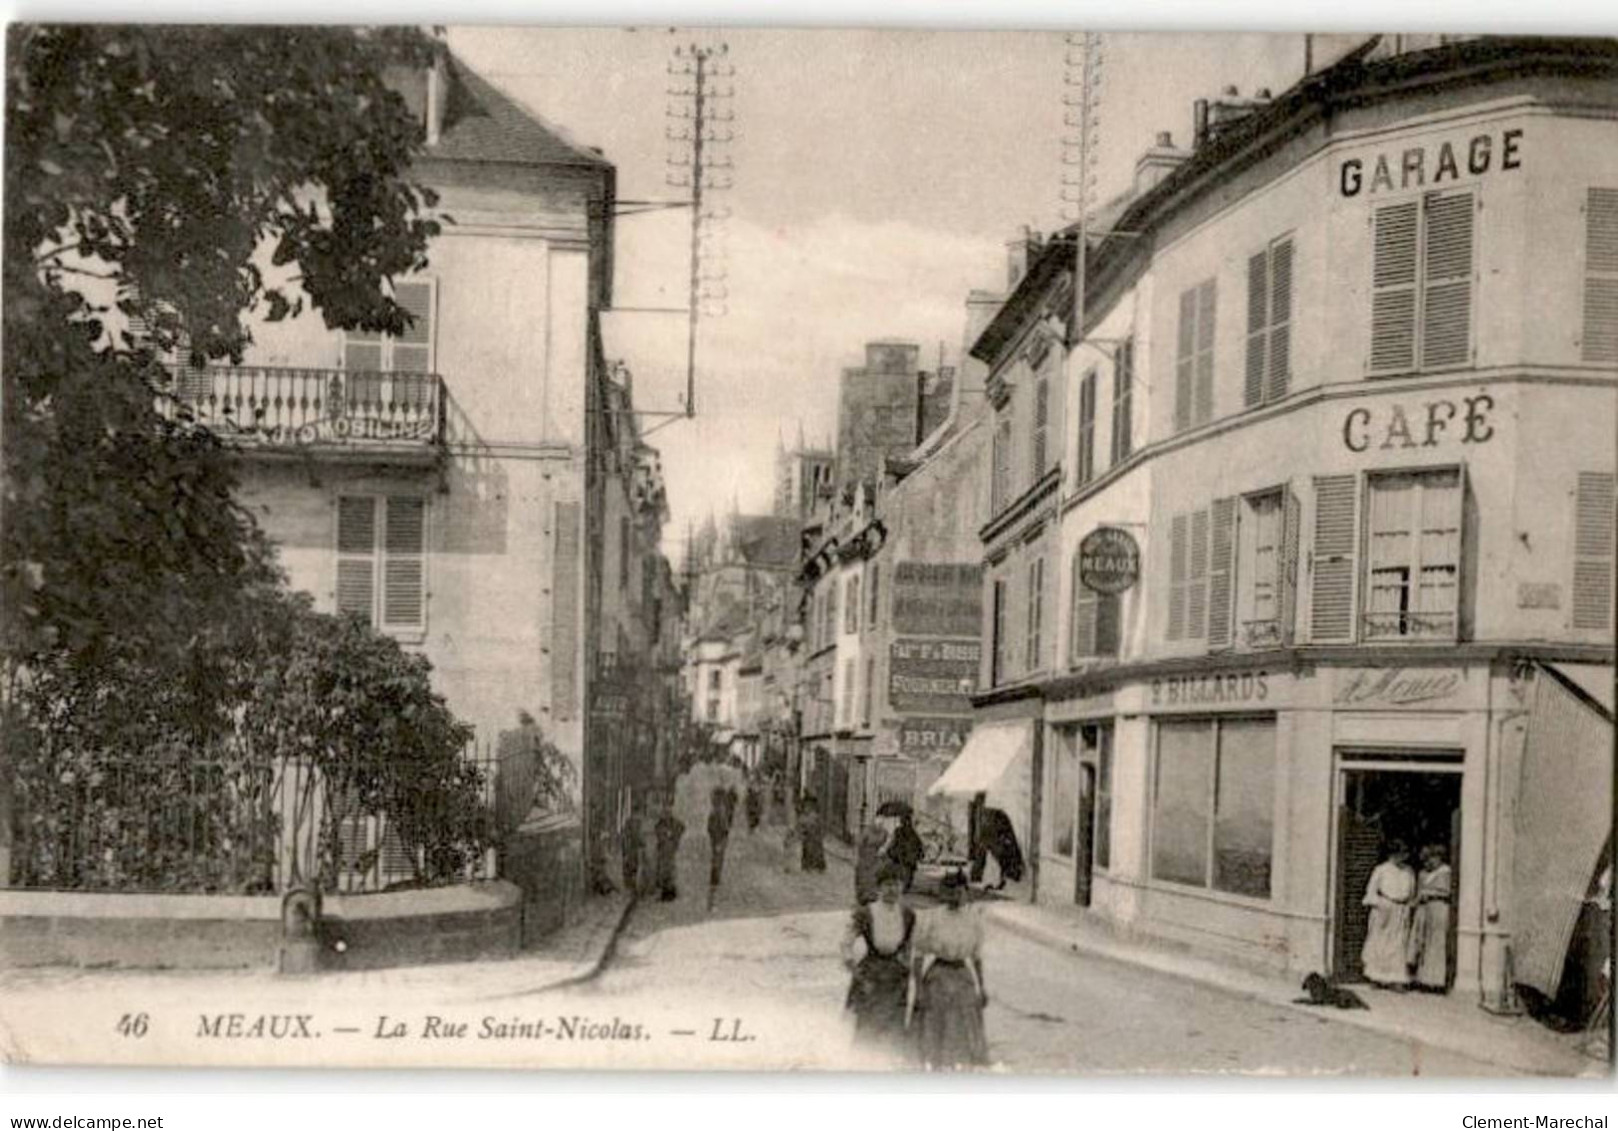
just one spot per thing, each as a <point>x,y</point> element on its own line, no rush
<point>432,1027</point>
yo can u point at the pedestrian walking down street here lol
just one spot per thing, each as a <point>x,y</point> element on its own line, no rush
<point>869,862</point>
<point>905,848</point>
<point>791,848</point>
<point>813,834</point>
<point>668,831</point>
<point>755,805</point>
<point>876,952</point>
<point>719,817</point>
<point>947,982</point>
<point>1390,895</point>
<point>998,838</point>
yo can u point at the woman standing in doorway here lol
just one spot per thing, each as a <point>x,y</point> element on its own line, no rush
<point>1390,895</point>
<point>1429,929</point>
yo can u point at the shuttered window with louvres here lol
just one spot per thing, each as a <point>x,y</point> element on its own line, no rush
<point>1039,440</point>
<point>1178,565</point>
<point>1599,339</point>
<point>1393,286</point>
<point>1258,327</point>
<point>1593,532</point>
<point>1423,264</point>
<point>404,564</point>
<point>409,352</point>
<point>1207,301</point>
<point>1446,319</point>
<point>1291,520</point>
<point>1222,568</point>
<point>1185,360</point>
<point>1196,604</point>
<point>356,556</point>
<point>1085,465</point>
<point>1331,607</point>
<point>1278,375</point>
<point>1123,393</point>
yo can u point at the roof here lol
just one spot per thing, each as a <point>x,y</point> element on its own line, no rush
<point>482,123</point>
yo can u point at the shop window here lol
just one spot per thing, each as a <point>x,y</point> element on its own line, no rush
<point>1095,627</point>
<point>1062,793</point>
<point>382,561</point>
<point>1213,806</point>
<point>1194,362</point>
<point>1599,340</point>
<point>1421,283</point>
<point>1269,324</point>
<point>1593,530</point>
<point>997,631</point>
<point>1036,615</point>
<point>1413,555</point>
<point>1123,395</point>
<point>1084,464</point>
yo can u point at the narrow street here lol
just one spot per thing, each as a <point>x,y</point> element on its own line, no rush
<point>772,941</point>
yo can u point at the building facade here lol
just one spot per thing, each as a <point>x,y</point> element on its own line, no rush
<point>1342,411</point>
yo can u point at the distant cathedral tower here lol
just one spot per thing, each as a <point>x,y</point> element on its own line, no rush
<point>801,473</point>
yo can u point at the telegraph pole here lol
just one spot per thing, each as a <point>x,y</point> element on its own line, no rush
<point>698,132</point>
<point>1081,154</point>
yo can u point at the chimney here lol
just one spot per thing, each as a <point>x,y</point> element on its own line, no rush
<point>437,96</point>
<point>1216,117</point>
<point>1157,163</point>
<point>1019,253</point>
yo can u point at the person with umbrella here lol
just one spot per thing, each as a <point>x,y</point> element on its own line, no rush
<point>905,849</point>
<point>869,859</point>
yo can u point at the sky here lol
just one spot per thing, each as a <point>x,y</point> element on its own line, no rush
<point>878,176</point>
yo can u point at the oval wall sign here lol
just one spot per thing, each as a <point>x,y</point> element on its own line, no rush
<point>1109,560</point>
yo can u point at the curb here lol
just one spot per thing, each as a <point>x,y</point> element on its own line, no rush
<point>1055,941</point>
<point>595,965</point>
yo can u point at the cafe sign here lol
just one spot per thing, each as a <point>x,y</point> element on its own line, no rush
<point>1109,560</point>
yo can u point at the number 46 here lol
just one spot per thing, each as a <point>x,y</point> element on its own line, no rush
<point>132,1025</point>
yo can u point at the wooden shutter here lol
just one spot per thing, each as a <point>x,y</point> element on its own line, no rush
<point>404,563</point>
<point>1123,377</point>
<point>1222,572</point>
<point>1185,360</point>
<point>1083,625</point>
<point>1178,561</point>
<point>1331,605</point>
<point>1593,531</point>
<point>1258,321</point>
<point>1196,605</point>
<point>1446,315</point>
<point>1108,627</point>
<point>565,613</point>
<point>362,351</point>
<point>1207,297</point>
<point>1599,341</point>
<point>1287,573</point>
<point>356,556</point>
<point>413,349</point>
<point>1042,412</point>
<point>1393,287</point>
<point>1280,353</point>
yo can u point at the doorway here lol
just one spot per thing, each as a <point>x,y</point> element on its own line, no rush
<point>1084,845</point>
<point>1417,803</point>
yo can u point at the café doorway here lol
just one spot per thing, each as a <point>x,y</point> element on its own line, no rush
<point>1384,796</point>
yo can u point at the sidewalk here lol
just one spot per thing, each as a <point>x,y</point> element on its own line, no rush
<point>1452,1023</point>
<point>574,954</point>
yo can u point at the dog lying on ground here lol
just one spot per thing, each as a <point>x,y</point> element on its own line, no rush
<point>1322,992</point>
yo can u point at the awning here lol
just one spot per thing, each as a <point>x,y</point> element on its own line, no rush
<point>990,750</point>
<point>1595,680</point>
<point>1564,821</point>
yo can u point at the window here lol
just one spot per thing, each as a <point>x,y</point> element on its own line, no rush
<point>1421,283</point>
<point>1269,324</point>
<point>1000,472</point>
<point>870,689</point>
<point>1123,392</point>
<point>829,630</point>
<point>1036,614</point>
<point>1062,793</point>
<point>997,650</point>
<point>382,560</point>
<point>1593,550</point>
<point>851,606</point>
<point>713,680</point>
<point>1599,341</point>
<point>713,710</point>
<point>1038,445</point>
<point>1255,552</point>
<point>1188,576</point>
<point>845,708</point>
<point>1094,630</point>
<point>1193,370</point>
<point>623,554</point>
<point>1085,463</point>
<point>1214,803</point>
<point>875,587</point>
<point>1413,555</point>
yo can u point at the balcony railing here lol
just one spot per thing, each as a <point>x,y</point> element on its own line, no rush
<point>1410,625</point>
<point>1262,633</point>
<point>270,408</point>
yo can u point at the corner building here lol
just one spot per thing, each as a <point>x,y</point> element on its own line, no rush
<point>1347,378</point>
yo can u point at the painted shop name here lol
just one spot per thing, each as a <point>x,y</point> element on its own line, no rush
<point>1395,428</point>
<point>1421,165</point>
<point>1200,690</point>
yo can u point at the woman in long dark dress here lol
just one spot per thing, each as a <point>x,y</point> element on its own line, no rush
<point>813,834</point>
<point>946,961</point>
<point>668,831</point>
<point>879,933</point>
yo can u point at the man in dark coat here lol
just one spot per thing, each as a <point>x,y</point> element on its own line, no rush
<point>905,849</point>
<point>996,837</point>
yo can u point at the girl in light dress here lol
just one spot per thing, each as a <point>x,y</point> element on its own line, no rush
<point>1390,895</point>
<point>947,974</point>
